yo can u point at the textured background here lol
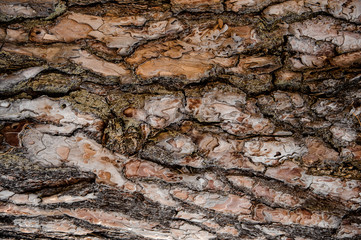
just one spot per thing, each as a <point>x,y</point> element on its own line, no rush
<point>180,119</point>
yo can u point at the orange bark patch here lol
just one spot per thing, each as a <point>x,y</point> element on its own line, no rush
<point>11,133</point>
<point>69,30</point>
<point>194,103</point>
<point>63,152</point>
<point>130,112</point>
<point>88,151</point>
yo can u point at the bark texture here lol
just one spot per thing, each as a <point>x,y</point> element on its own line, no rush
<point>180,119</point>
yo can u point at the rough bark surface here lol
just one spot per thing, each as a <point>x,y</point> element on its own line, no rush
<point>180,119</point>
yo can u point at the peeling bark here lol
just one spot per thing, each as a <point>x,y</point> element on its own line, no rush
<point>180,119</point>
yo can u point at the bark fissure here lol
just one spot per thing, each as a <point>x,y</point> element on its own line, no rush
<point>180,119</point>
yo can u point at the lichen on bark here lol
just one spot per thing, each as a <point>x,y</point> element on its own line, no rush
<point>180,119</point>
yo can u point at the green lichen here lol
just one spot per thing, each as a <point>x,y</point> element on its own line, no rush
<point>121,101</point>
<point>125,141</point>
<point>252,84</point>
<point>345,169</point>
<point>17,162</point>
<point>11,62</point>
<point>54,83</point>
<point>20,96</point>
<point>59,10</point>
<point>89,103</point>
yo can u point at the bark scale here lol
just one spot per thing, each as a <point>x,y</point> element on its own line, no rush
<point>180,119</point>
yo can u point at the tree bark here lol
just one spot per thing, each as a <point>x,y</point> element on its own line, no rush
<point>180,119</point>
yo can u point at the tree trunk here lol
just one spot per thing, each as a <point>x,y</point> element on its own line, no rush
<point>180,119</point>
